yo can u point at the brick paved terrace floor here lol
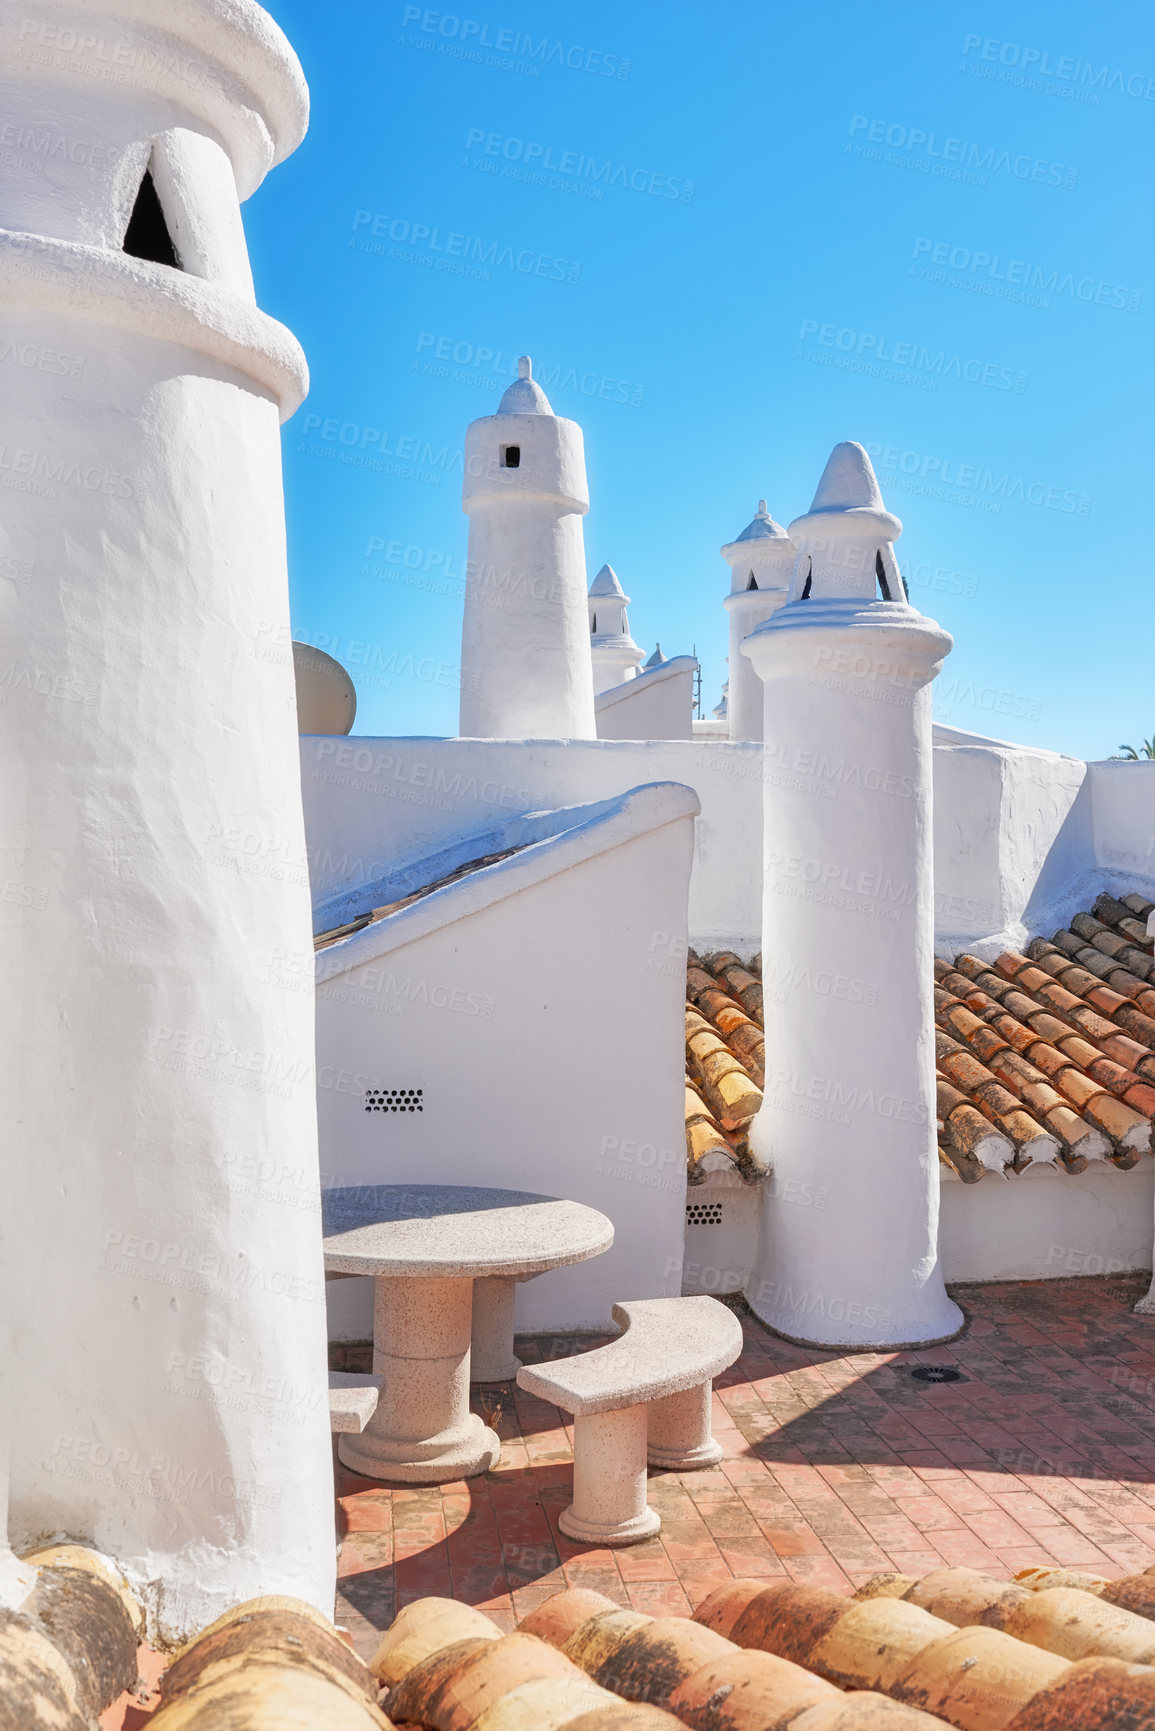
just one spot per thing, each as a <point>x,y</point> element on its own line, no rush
<point>836,1466</point>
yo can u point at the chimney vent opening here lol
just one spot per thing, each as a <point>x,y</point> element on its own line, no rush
<point>147,234</point>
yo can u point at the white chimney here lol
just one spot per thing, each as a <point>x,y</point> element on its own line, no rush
<point>526,670</point>
<point>847,929</point>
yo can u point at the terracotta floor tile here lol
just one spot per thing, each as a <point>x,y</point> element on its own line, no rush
<point>648,1562</point>
<point>796,1541</point>
<point>919,1562</point>
<point>996,1529</point>
<point>659,1598</point>
<point>928,1513</point>
<point>820,1571</point>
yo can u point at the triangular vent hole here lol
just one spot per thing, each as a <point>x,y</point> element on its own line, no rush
<point>147,236</point>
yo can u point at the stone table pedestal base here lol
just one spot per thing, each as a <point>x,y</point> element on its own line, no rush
<point>609,1480</point>
<point>679,1431</point>
<point>422,1432</point>
<point>491,1357</point>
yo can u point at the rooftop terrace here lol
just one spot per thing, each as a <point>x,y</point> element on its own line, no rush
<point>837,1466</point>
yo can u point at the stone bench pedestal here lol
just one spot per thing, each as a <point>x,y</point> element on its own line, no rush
<point>609,1480</point>
<point>680,1438</point>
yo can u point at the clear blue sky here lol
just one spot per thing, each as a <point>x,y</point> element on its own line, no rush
<point>926,227</point>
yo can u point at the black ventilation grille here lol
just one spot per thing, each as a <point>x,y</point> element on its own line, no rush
<point>937,1373</point>
<point>394,1099</point>
<point>703,1214</point>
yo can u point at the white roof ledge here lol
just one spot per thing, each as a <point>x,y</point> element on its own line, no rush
<point>961,736</point>
<point>642,680</point>
<point>573,835</point>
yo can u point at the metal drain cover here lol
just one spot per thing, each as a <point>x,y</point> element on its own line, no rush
<point>937,1373</point>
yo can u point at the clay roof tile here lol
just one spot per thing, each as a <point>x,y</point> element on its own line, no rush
<point>1135,1023</point>
<point>1014,1032</point>
<point>1047,1027</point>
<point>1011,963</point>
<point>698,981</point>
<point>986,1042</point>
<point>1096,994</point>
<point>1129,1130</point>
<point>1141,1095</point>
<point>1111,1075</point>
<point>1047,1054</point>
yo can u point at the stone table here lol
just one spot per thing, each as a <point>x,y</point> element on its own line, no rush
<point>425,1245</point>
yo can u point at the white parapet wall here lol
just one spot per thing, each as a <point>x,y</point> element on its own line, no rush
<point>1123,817</point>
<point>531,1014</point>
<point>1048,1225</point>
<point>1041,1224</point>
<point>1011,828</point>
<point>372,805</point>
<point>656,704</point>
<point>1022,838</point>
<point>723,1232</point>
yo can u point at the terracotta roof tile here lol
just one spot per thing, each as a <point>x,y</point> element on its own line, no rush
<point>1042,1056</point>
<point>1142,1097</point>
<point>745,988</point>
<point>1018,1035</point>
<point>778,1652</point>
<point>725,1067</point>
<point>322,940</point>
<point>969,1143</point>
<point>704,1137</point>
<point>726,1083</point>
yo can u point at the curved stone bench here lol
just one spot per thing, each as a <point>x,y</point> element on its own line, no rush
<point>644,1396</point>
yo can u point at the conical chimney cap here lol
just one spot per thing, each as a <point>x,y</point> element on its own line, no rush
<point>524,396</point>
<point>605,584</point>
<point>848,481</point>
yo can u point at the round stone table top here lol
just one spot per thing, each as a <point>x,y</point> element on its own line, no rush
<point>449,1231</point>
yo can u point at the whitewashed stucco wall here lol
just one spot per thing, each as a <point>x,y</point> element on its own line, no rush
<point>1009,823</point>
<point>1022,838</point>
<point>1123,817</point>
<point>1026,838</point>
<point>545,1032</point>
<point>1048,1225</point>
<point>657,704</point>
<point>1039,1225</point>
<point>372,804</point>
